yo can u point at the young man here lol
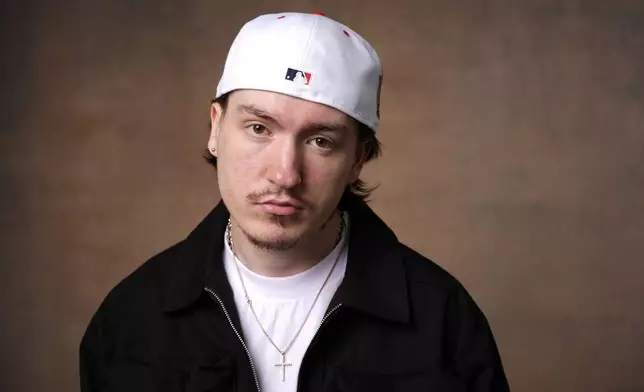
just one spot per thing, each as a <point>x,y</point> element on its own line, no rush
<point>291,283</point>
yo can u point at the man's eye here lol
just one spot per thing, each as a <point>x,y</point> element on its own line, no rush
<point>322,142</point>
<point>258,129</point>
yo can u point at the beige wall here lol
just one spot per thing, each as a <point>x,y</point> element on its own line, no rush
<point>514,157</point>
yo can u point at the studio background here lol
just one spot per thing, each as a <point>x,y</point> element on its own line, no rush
<point>513,136</point>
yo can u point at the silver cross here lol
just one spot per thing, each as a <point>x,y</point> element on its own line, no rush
<point>283,365</point>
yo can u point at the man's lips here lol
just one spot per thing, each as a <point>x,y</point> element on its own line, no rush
<point>281,207</point>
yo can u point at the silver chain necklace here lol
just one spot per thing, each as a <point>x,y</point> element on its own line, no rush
<point>283,364</point>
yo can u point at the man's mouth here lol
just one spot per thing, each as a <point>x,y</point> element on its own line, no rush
<point>281,206</point>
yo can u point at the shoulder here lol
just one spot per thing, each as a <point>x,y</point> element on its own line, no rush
<point>431,286</point>
<point>142,283</point>
<point>134,303</point>
<point>423,271</point>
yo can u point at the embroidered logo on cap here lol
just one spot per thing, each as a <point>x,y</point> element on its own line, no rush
<point>295,75</point>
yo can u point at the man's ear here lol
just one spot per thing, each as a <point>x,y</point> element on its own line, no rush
<point>216,113</point>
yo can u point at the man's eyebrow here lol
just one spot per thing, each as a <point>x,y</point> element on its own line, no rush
<point>255,111</point>
<point>322,127</point>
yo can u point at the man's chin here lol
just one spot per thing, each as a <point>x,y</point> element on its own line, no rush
<point>276,232</point>
<point>274,244</point>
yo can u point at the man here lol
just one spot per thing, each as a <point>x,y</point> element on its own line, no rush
<point>291,283</point>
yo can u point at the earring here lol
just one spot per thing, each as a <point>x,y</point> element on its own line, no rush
<point>212,150</point>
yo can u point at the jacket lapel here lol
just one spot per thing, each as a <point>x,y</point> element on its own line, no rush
<point>375,281</point>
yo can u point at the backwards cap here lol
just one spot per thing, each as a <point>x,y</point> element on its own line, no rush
<point>308,56</point>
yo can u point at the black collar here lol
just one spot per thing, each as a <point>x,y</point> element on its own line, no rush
<point>375,281</point>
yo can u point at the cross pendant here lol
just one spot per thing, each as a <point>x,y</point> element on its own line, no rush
<point>283,365</point>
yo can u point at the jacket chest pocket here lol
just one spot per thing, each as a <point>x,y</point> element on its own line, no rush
<point>171,374</point>
<point>348,381</point>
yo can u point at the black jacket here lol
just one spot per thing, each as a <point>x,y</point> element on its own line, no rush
<point>398,322</point>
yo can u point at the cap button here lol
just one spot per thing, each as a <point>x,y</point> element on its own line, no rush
<point>318,13</point>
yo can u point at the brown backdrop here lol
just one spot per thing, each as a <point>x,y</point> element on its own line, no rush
<point>514,157</point>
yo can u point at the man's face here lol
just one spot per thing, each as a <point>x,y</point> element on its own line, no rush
<point>282,163</point>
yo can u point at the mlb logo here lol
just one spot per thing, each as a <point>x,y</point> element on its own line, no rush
<point>295,75</point>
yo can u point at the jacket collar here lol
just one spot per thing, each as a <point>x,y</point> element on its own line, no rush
<point>375,281</point>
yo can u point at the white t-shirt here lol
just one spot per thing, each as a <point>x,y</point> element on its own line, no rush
<point>281,305</point>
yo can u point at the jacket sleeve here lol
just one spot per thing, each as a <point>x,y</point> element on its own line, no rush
<point>473,351</point>
<point>92,357</point>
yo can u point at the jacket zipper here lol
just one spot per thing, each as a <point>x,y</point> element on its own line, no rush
<point>250,359</point>
<point>315,335</point>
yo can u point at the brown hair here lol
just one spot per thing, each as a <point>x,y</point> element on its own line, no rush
<point>366,139</point>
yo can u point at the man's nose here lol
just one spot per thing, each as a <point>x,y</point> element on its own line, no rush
<point>285,168</point>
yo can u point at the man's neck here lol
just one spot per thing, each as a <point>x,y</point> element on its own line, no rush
<point>280,263</point>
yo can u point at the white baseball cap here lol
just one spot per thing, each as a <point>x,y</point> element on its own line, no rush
<point>308,56</point>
